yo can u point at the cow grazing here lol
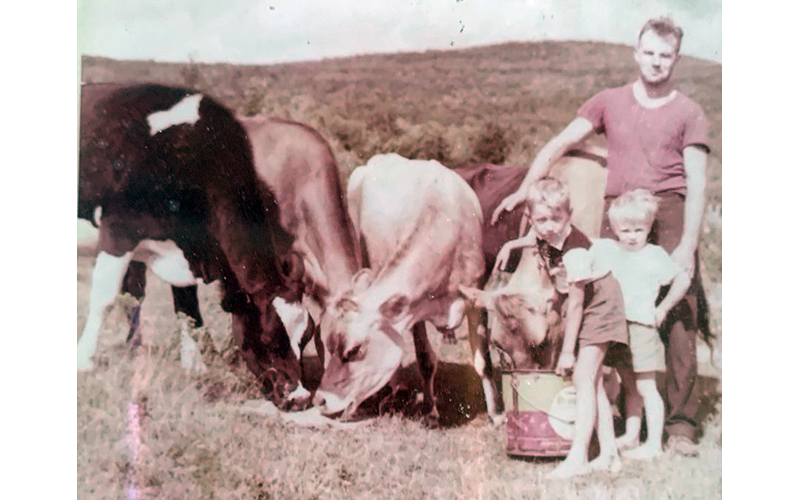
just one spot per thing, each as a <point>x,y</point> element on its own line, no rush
<point>299,167</point>
<point>419,229</point>
<point>173,173</point>
<point>521,299</point>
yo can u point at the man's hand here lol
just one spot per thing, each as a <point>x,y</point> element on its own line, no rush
<point>508,204</point>
<point>566,362</point>
<point>683,256</point>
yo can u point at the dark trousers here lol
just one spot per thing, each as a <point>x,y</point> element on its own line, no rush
<point>679,330</point>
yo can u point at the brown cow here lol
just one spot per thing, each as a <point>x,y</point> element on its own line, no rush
<point>419,226</point>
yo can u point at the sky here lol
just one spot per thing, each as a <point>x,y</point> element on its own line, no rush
<point>271,31</point>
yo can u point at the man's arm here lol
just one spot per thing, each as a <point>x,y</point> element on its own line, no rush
<point>694,161</point>
<point>577,131</point>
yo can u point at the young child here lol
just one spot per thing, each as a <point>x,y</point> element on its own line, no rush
<point>641,269</point>
<point>594,319</point>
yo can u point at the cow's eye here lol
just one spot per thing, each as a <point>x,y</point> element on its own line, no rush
<point>354,354</point>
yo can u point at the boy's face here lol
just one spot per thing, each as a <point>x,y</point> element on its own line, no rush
<point>632,234</point>
<point>549,223</point>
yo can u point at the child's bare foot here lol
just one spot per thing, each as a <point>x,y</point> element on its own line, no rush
<point>644,452</point>
<point>569,468</point>
<point>627,441</point>
<point>606,463</point>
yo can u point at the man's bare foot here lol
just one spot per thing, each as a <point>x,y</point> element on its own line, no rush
<point>568,469</point>
<point>606,463</point>
<point>644,452</point>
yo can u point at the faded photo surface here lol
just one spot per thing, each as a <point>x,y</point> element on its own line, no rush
<point>316,258</point>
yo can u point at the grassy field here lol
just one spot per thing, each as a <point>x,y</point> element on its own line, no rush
<point>194,440</point>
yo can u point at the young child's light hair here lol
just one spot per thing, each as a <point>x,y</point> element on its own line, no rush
<point>551,193</point>
<point>638,205</point>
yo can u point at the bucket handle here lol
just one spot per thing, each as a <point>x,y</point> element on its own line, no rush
<point>516,395</point>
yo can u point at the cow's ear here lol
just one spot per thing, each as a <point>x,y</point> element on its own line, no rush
<point>362,280</point>
<point>394,307</point>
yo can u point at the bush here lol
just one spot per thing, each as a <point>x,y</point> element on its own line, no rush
<point>491,145</point>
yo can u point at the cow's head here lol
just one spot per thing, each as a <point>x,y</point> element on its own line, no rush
<point>525,324</point>
<point>363,343</point>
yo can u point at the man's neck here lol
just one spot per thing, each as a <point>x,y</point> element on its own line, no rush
<point>653,96</point>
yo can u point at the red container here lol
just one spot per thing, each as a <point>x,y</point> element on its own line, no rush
<point>540,413</point>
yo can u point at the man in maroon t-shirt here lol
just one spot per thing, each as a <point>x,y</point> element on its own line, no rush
<point>657,140</point>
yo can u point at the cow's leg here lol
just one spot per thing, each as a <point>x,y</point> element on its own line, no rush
<point>134,284</point>
<point>264,345</point>
<point>107,276</point>
<point>296,321</point>
<point>455,315</point>
<point>482,361</point>
<point>426,362</point>
<point>311,332</point>
<point>184,299</point>
<point>168,263</point>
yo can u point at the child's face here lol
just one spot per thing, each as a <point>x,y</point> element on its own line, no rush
<point>632,234</point>
<point>549,223</point>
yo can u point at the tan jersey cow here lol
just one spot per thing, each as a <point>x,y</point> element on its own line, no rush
<point>420,230</point>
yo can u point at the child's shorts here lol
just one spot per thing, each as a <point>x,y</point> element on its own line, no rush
<point>647,348</point>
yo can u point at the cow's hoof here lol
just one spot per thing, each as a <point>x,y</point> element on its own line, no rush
<point>298,399</point>
<point>431,420</point>
<point>497,420</point>
<point>449,337</point>
<point>194,366</point>
<point>85,364</point>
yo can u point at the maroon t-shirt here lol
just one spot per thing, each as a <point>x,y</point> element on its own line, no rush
<point>645,146</point>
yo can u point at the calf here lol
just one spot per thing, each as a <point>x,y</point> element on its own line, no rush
<point>520,299</point>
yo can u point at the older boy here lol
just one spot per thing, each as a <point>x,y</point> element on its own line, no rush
<point>657,140</point>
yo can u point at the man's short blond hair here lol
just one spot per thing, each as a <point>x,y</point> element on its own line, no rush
<point>663,26</point>
<point>638,205</point>
<point>551,193</point>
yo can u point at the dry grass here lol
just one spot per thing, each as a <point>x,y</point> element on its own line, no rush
<point>197,444</point>
<point>497,103</point>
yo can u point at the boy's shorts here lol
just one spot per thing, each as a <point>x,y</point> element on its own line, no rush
<point>647,348</point>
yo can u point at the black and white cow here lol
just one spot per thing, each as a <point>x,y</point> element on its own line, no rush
<point>173,173</point>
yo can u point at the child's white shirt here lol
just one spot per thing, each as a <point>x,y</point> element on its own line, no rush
<point>640,274</point>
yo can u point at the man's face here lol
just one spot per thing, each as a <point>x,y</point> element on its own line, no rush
<point>656,57</point>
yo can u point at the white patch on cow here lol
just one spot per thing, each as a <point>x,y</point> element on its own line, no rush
<point>166,260</point>
<point>456,314</point>
<point>479,363</point>
<point>295,320</point>
<point>191,359</point>
<point>107,277</point>
<point>98,214</point>
<point>298,394</point>
<point>187,111</point>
